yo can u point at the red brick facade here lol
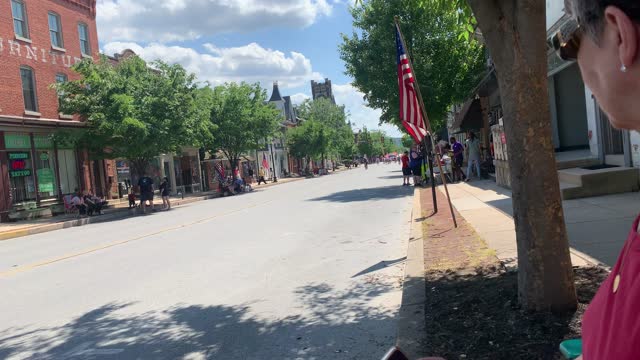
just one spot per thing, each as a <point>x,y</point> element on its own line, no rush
<point>39,54</point>
<point>44,182</point>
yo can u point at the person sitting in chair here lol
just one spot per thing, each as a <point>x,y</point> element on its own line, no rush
<point>78,202</point>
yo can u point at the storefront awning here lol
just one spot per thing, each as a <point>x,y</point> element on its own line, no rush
<point>470,117</point>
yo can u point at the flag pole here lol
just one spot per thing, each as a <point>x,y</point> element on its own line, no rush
<point>396,19</point>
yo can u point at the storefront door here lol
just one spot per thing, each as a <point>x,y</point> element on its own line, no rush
<point>615,142</point>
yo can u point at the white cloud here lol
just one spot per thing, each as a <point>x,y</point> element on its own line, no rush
<point>298,98</point>
<point>249,63</point>
<point>361,114</point>
<point>176,20</point>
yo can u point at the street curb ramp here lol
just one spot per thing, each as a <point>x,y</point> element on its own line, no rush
<point>411,318</point>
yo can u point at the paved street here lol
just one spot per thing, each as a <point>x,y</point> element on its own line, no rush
<point>305,270</point>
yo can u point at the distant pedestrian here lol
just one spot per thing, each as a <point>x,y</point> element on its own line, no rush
<point>132,199</point>
<point>261,176</point>
<point>165,190</point>
<point>250,172</point>
<point>458,159</point>
<point>415,163</point>
<point>146,193</point>
<point>473,154</point>
<point>406,170</point>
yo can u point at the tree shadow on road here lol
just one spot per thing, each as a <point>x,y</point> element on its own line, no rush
<point>329,323</point>
<point>379,193</point>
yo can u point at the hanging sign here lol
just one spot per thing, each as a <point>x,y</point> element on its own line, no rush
<point>19,156</point>
<point>20,173</point>
<point>45,180</point>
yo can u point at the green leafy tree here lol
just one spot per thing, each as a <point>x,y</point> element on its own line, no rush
<point>308,141</point>
<point>133,110</point>
<point>407,141</point>
<point>241,118</point>
<point>333,119</point>
<point>369,143</point>
<point>447,69</point>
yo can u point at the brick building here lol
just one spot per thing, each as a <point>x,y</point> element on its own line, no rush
<point>39,41</point>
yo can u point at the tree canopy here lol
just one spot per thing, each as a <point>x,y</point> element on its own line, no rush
<point>242,119</point>
<point>133,110</point>
<point>333,119</point>
<point>446,68</point>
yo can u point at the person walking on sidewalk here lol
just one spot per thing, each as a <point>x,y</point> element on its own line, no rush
<point>146,193</point>
<point>458,159</point>
<point>604,37</point>
<point>473,154</point>
<point>261,176</point>
<point>165,189</point>
<point>415,163</point>
<point>406,170</point>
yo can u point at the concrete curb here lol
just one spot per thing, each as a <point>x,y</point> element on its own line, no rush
<point>411,317</point>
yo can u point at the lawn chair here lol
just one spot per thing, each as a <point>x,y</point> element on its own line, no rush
<point>447,168</point>
<point>69,208</point>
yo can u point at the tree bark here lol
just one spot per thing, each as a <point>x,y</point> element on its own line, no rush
<point>515,34</point>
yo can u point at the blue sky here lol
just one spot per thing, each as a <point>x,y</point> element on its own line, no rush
<point>289,41</point>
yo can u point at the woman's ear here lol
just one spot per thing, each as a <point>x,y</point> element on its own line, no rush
<point>628,34</point>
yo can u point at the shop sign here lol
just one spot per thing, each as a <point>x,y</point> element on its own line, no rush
<point>43,142</point>
<point>19,156</point>
<point>17,141</point>
<point>122,167</point>
<point>20,173</point>
<point>45,180</point>
<point>33,53</point>
<point>18,164</point>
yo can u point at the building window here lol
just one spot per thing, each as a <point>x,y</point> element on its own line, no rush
<point>55,30</point>
<point>20,25</point>
<point>29,89</point>
<point>83,32</point>
<point>68,171</point>
<point>61,78</point>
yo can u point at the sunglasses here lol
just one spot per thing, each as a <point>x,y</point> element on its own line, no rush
<point>566,41</point>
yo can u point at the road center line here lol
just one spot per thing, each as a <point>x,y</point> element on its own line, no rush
<point>32,266</point>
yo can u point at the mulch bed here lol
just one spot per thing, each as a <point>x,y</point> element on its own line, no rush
<point>472,309</point>
<point>477,316</point>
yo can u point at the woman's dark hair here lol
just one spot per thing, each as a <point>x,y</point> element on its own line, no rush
<point>590,13</point>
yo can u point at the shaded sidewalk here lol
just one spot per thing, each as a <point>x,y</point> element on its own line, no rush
<point>597,227</point>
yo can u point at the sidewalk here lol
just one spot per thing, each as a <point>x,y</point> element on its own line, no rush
<point>118,209</point>
<point>597,227</point>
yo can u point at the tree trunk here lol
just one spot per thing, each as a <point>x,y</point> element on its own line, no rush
<point>139,167</point>
<point>515,34</point>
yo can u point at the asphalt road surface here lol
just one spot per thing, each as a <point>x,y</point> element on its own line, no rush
<point>306,270</point>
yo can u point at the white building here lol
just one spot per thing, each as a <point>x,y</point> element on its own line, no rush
<point>275,150</point>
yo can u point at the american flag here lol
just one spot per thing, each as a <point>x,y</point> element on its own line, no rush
<point>265,163</point>
<point>410,113</point>
<point>219,171</point>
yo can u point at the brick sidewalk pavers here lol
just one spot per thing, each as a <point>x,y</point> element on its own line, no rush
<point>447,248</point>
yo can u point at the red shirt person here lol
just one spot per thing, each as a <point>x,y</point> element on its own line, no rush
<point>605,40</point>
<point>406,170</point>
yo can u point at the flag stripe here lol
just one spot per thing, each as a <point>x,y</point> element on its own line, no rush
<point>410,112</point>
